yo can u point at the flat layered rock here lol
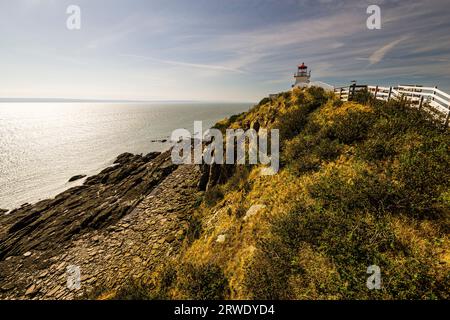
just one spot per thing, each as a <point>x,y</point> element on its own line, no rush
<point>119,225</point>
<point>101,201</point>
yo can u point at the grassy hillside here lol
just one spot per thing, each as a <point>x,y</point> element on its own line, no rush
<point>360,184</point>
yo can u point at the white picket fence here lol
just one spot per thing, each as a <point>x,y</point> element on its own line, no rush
<point>435,100</point>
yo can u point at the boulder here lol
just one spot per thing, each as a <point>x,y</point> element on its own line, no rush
<point>77,177</point>
<point>151,156</point>
<point>253,210</point>
<point>124,158</point>
<point>221,238</point>
<point>31,290</point>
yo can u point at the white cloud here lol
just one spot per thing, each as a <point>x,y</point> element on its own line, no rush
<point>186,64</point>
<point>380,53</point>
<point>293,33</point>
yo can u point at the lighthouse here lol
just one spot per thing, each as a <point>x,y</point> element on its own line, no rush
<point>303,80</point>
<point>302,76</point>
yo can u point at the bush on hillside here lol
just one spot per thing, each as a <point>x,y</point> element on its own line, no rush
<point>324,254</point>
<point>213,195</point>
<point>306,152</point>
<point>204,282</point>
<point>363,96</point>
<point>195,228</point>
<point>351,127</point>
<point>365,190</point>
<point>424,176</point>
<point>134,290</point>
<point>292,122</point>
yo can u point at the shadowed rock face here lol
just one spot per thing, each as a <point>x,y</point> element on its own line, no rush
<point>101,201</point>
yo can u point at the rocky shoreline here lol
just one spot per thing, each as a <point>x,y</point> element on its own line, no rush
<point>115,226</point>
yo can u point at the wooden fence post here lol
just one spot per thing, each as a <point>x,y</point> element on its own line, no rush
<point>352,88</point>
<point>434,93</point>
<point>421,102</point>
<point>376,92</point>
<point>340,94</point>
<point>390,93</point>
<point>447,118</point>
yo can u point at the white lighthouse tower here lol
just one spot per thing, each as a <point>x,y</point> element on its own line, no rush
<point>302,77</point>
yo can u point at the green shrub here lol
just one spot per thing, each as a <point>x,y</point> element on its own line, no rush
<point>194,282</point>
<point>292,123</point>
<point>328,149</point>
<point>213,195</point>
<point>423,173</point>
<point>351,127</point>
<point>337,103</point>
<point>403,118</point>
<point>286,95</point>
<point>376,149</point>
<point>349,243</point>
<point>362,96</point>
<point>264,101</point>
<point>296,153</point>
<point>166,280</point>
<point>204,282</point>
<point>306,152</point>
<point>319,95</point>
<point>195,228</point>
<point>239,180</point>
<point>134,290</point>
<point>382,140</point>
<point>367,191</point>
<point>268,274</point>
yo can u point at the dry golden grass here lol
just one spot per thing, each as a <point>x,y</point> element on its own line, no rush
<point>321,227</point>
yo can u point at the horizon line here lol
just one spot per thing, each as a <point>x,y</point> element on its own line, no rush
<point>69,100</point>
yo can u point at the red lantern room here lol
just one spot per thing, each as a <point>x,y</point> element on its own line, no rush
<point>302,70</point>
<point>302,76</point>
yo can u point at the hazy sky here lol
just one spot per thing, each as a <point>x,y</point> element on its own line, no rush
<point>235,50</point>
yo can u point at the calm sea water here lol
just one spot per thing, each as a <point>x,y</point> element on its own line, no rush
<point>42,145</point>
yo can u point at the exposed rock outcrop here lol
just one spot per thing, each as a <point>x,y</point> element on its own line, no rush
<point>101,201</point>
<point>118,225</point>
<point>77,177</point>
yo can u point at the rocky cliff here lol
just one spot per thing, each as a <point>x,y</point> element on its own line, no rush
<point>117,224</point>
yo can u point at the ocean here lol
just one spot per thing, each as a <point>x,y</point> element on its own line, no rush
<point>42,145</point>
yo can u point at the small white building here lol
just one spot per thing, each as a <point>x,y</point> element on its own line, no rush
<point>302,76</point>
<point>303,79</point>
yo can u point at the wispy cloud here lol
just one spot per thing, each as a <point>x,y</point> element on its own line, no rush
<point>282,35</point>
<point>380,53</point>
<point>185,64</point>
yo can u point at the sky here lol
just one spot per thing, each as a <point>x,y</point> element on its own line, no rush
<point>216,50</point>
